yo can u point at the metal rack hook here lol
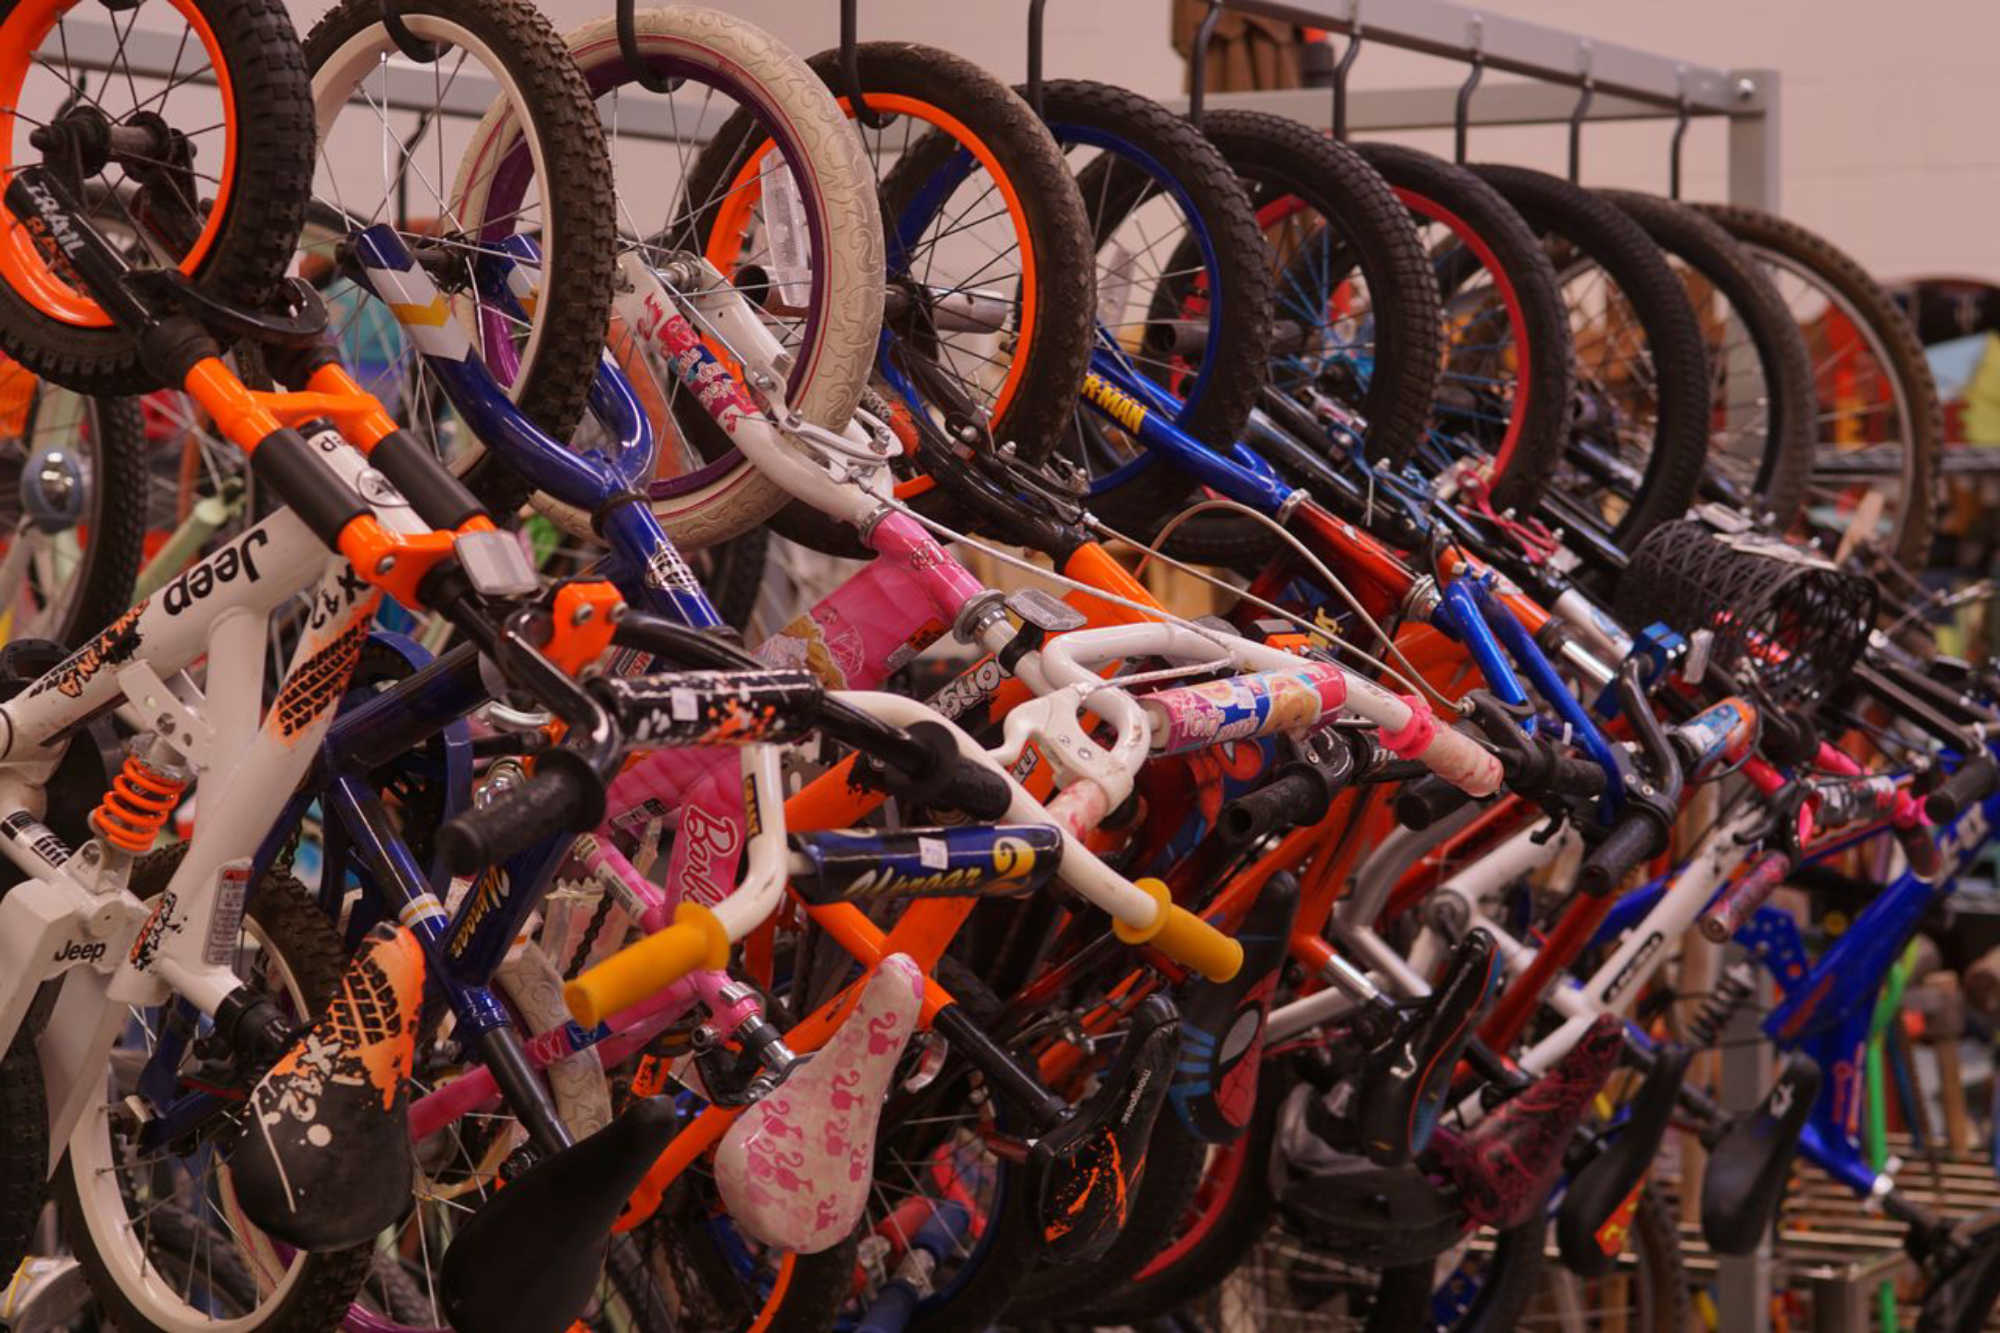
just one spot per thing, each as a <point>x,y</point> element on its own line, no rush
<point>636,65</point>
<point>1682,112</point>
<point>1198,62</point>
<point>1036,8</point>
<point>1477,33</point>
<point>1583,101</point>
<point>850,68</point>
<point>411,45</point>
<point>1340,70</point>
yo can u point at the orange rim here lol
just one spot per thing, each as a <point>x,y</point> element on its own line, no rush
<point>21,263</point>
<point>725,241</point>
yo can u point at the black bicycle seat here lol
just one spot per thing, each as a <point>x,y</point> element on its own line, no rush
<point>1403,1081</point>
<point>1089,1167</point>
<point>1751,1158</point>
<point>1599,1191</point>
<point>1222,1023</point>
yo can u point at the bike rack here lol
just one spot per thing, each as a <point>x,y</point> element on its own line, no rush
<point>1570,80</point>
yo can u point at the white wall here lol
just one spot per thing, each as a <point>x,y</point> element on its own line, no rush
<point>1891,141</point>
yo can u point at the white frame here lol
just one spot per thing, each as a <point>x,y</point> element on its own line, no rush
<point>74,918</point>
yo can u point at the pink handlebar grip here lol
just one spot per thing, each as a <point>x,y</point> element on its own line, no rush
<point>1737,903</point>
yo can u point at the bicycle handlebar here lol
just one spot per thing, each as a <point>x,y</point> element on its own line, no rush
<point>1976,779</point>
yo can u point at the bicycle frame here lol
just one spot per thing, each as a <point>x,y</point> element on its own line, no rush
<point>77,921</point>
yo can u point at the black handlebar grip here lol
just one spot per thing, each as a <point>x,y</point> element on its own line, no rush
<point>1577,777</point>
<point>564,795</point>
<point>1635,838</point>
<point>296,474</point>
<point>439,498</point>
<point>1424,801</point>
<point>1284,802</point>
<point>951,781</point>
<point>1975,780</point>
<point>974,790</point>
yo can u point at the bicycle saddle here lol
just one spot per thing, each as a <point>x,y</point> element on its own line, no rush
<point>1596,1209</point>
<point>549,1230</point>
<point>337,1100</point>
<point>1222,1023</point>
<point>795,1168</point>
<point>1088,1167</point>
<point>1506,1165</point>
<point>1403,1081</point>
<point>1750,1159</point>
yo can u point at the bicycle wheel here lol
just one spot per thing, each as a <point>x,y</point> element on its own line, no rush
<point>73,536</point>
<point>534,167</point>
<point>1878,425</point>
<point>988,324</point>
<point>1357,317</point>
<point>1760,401</point>
<point>107,1186</point>
<point>819,269</point>
<point>1639,432</point>
<point>1179,253</point>
<point>1504,391</point>
<point>220,149</point>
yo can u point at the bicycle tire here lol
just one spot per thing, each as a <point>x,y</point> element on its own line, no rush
<point>298,931</point>
<point>244,254</point>
<point>115,449</point>
<point>1778,242</point>
<point>1778,486</point>
<point>971,112</point>
<point>577,231</point>
<point>24,1147</point>
<point>1279,159</point>
<point>729,496</point>
<point>1604,237</point>
<point>1145,147</point>
<point>1500,244</point>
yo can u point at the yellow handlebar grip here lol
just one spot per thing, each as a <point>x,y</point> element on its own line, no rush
<point>1183,936</point>
<point>696,940</point>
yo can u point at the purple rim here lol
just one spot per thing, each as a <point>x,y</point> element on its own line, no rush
<point>510,180</point>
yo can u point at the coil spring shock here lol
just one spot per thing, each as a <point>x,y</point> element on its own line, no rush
<point>1732,990</point>
<point>138,805</point>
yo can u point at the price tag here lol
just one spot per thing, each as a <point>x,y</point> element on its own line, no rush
<point>684,704</point>
<point>932,853</point>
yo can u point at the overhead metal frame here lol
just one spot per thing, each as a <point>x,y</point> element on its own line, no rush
<point>1628,84</point>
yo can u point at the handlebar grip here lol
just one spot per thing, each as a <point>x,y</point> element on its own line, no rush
<point>974,790</point>
<point>712,707</point>
<point>1577,777</point>
<point>1287,801</point>
<point>1183,936</point>
<point>1635,838</point>
<point>564,795</point>
<point>1460,760</point>
<point>1737,903</point>
<point>1426,800</point>
<point>1975,780</point>
<point>695,941</point>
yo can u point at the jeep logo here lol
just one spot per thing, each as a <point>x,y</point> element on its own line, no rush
<point>72,952</point>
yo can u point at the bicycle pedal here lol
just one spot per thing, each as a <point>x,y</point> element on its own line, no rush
<point>324,1161</point>
<point>1088,1168</point>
